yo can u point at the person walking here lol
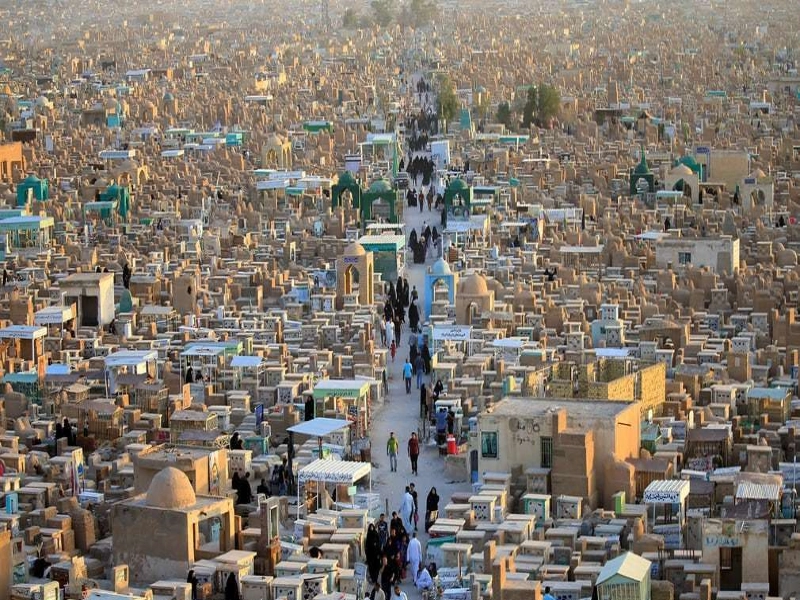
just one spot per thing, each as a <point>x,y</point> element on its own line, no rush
<point>414,556</point>
<point>431,508</point>
<point>388,575</point>
<point>415,496</point>
<point>419,368</point>
<point>408,371</point>
<point>373,552</point>
<point>413,452</point>
<point>407,510</point>
<point>383,530</point>
<point>388,332</point>
<point>392,446</point>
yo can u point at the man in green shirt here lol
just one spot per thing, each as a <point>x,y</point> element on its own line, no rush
<point>392,446</point>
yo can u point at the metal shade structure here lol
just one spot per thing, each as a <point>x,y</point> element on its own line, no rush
<point>334,471</point>
<point>319,427</point>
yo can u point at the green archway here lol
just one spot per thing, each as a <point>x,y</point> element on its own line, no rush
<point>379,190</point>
<point>346,182</point>
<point>457,200</point>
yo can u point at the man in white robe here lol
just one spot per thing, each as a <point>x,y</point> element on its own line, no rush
<point>414,556</point>
<point>407,510</point>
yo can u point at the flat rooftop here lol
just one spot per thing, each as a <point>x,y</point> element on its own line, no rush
<point>540,407</point>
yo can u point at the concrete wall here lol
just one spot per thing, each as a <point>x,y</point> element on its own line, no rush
<point>155,544</point>
<point>721,255</point>
<point>519,438</point>
<point>518,443</point>
<point>728,167</point>
<point>751,535</point>
<point>652,388</point>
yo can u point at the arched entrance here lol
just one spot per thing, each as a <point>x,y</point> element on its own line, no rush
<point>351,280</point>
<point>473,313</point>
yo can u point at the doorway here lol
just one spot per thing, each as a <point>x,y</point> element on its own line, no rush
<point>90,308</point>
<point>730,568</point>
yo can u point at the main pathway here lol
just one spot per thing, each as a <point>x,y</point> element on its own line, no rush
<point>400,413</point>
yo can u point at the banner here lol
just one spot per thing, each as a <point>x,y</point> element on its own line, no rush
<point>452,333</point>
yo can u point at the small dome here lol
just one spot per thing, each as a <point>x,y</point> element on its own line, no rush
<point>168,97</point>
<point>474,285</point>
<point>757,174</point>
<point>170,488</point>
<point>682,170</point>
<point>440,267</point>
<point>346,179</point>
<point>690,162</point>
<point>355,249</point>
<point>457,185</point>
<point>380,186</point>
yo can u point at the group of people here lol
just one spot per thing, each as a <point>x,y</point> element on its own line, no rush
<point>420,198</point>
<point>418,362</point>
<point>241,484</point>
<point>419,166</point>
<point>393,551</point>
<point>424,243</point>
<point>398,299</point>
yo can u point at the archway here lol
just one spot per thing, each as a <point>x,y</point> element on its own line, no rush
<point>344,197</point>
<point>440,290</point>
<point>758,198</point>
<point>642,186</point>
<point>473,313</point>
<point>351,280</point>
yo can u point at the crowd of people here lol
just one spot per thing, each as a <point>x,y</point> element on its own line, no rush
<point>426,243</point>
<point>400,302</point>
<point>394,553</point>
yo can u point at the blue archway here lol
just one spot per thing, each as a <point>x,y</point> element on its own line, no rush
<point>439,271</point>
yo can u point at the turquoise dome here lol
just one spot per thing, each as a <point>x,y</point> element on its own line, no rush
<point>380,186</point>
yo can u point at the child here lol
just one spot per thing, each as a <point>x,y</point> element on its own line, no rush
<point>394,349</point>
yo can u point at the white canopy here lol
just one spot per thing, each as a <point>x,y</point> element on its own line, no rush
<point>334,471</point>
<point>246,361</point>
<point>53,315</point>
<point>22,332</point>
<point>130,358</point>
<point>319,427</point>
<point>666,491</point>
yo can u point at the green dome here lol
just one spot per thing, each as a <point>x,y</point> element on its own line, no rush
<point>346,179</point>
<point>380,186</point>
<point>457,185</point>
<point>690,162</point>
